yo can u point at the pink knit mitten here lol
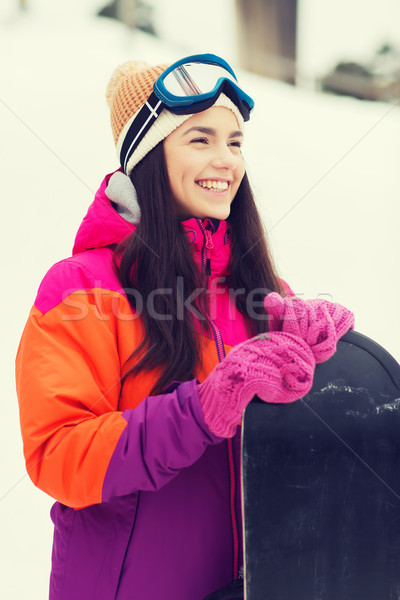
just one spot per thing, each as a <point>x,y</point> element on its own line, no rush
<point>278,367</point>
<point>318,322</point>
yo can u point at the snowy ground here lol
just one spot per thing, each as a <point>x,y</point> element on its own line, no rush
<point>325,172</point>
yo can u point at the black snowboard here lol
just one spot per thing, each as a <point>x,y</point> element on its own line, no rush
<point>321,484</point>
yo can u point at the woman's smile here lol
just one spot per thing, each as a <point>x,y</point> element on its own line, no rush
<point>218,186</point>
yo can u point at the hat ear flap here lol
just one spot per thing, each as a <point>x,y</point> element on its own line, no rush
<point>121,191</point>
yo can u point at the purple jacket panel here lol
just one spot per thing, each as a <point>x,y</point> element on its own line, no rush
<point>89,546</point>
<point>181,546</point>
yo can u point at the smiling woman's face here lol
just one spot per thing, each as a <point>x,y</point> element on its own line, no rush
<point>205,164</point>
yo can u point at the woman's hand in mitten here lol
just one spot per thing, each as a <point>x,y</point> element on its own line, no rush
<point>277,367</point>
<point>318,322</point>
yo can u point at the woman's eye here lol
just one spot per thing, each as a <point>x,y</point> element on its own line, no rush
<point>236,144</point>
<point>199,140</point>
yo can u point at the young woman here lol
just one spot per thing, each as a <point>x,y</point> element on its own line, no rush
<point>143,349</point>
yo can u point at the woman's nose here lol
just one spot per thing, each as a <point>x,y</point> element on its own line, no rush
<point>224,158</point>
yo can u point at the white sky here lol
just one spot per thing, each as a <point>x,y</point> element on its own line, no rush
<point>324,169</point>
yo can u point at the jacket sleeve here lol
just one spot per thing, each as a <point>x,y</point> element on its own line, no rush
<point>78,446</point>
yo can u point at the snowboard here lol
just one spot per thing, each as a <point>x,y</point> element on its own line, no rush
<point>321,484</point>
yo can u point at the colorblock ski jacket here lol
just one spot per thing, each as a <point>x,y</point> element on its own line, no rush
<point>148,499</point>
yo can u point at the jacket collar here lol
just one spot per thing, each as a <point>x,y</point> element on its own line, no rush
<point>104,226</point>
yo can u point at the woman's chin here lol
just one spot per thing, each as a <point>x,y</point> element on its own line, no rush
<point>221,213</point>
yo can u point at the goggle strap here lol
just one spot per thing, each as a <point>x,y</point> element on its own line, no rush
<point>139,127</point>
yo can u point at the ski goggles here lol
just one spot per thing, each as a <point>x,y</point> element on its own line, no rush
<point>192,84</point>
<point>188,86</point>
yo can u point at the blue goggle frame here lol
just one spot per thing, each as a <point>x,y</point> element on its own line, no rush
<point>194,100</point>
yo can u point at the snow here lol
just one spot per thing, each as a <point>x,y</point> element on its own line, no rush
<point>324,169</point>
<point>343,31</point>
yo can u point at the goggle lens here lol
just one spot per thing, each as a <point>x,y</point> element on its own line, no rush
<point>194,79</point>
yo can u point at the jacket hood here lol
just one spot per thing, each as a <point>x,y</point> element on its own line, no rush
<point>103,226</point>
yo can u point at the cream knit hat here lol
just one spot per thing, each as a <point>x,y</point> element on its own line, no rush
<point>130,87</point>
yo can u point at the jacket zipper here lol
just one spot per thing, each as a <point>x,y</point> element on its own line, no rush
<point>208,245</point>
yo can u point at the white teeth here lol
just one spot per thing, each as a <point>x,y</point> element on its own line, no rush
<point>212,184</point>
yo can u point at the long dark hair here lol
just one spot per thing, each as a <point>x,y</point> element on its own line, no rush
<point>157,256</point>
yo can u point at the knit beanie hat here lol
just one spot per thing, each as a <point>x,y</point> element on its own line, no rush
<point>129,88</point>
